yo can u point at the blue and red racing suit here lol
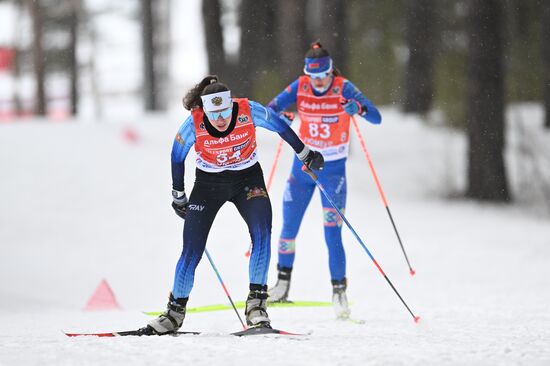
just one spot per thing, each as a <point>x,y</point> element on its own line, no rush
<point>325,127</point>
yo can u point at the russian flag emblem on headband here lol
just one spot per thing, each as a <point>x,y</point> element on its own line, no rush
<point>317,65</point>
<point>217,101</point>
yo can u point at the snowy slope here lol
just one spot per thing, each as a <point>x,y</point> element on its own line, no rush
<point>79,202</point>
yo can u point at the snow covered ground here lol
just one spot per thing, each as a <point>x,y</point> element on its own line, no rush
<point>79,203</point>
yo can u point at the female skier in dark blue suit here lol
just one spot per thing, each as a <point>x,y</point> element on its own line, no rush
<point>222,129</point>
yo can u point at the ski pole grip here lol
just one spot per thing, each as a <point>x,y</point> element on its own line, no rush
<point>309,172</point>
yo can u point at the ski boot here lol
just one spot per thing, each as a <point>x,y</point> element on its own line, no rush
<point>169,321</point>
<point>256,307</point>
<point>339,299</point>
<point>279,292</point>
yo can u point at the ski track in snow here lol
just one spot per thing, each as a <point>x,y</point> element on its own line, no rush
<point>79,203</point>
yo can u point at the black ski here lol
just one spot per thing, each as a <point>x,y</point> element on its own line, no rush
<point>142,332</point>
<point>263,330</point>
<point>125,333</point>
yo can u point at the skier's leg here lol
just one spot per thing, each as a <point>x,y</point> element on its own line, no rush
<point>333,179</point>
<point>296,198</point>
<point>298,192</point>
<point>201,211</point>
<point>255,207</point>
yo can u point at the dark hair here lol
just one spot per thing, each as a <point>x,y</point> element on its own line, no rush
<point>208,85</point>
<point>316,50</point>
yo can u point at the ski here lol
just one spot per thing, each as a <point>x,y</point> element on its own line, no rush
<point>140,333</point>
<point>265,331</point>
<point>125,333</point>
<point>242,305</point>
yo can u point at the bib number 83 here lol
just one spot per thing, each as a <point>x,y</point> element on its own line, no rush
<point>319,130</point>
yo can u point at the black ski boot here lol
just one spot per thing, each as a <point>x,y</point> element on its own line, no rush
<point>256,307</point>
<point>339,299</point>
<point>279,292</point>
<point>169,321</point>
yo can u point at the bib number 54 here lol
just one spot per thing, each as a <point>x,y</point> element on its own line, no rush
<point>223,157</point>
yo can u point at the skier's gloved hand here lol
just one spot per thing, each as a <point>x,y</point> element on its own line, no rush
<point>179,203</point>
<point>312,159</point>
<point>351,106</point>
<point>288,117</point>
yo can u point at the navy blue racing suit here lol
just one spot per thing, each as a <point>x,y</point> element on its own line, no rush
<point>245,188</point>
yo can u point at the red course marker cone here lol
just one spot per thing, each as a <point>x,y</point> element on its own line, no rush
<point>103,298</point>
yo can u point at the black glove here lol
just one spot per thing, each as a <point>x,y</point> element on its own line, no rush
<point>314,160</point>
<point>179,203</point>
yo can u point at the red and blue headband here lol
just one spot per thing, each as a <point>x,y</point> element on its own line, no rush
<point>320,65</point>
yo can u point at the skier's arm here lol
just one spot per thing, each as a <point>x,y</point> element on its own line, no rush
<point>267,118</point>
<point>286,98</point>
<point>183,142</point>
<point>368,111</point>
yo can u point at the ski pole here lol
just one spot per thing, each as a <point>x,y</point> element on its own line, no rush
<point>379,186</point>
<point>274,165</point>
<point>269,180</point>
<point>223,286</point>
<point>322,189</point>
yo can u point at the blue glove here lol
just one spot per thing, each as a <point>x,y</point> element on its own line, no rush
<point>351,106</point>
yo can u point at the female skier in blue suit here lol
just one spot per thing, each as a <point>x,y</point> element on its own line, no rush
<point>325,101</point>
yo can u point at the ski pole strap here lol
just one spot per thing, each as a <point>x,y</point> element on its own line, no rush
<point>309,172</point>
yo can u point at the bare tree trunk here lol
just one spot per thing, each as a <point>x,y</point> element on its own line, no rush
<point>148,29</point>
<point>546,58</point>
<point>211,13</point>
<point>38,57</point>
<point>94,75</point>
<point>334,31</point>
<point>421,43</point>
<point>73,62</point>
<point>485,102</point>
<point>163,48</point>
<point>16,69</point>
<point>291,37</point>
<point>255,43</point>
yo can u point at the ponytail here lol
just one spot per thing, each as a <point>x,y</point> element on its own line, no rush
<point>316,50</point>
<point>208,85</point>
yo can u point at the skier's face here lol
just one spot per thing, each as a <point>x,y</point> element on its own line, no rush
<point>321,83</point>
<point>220,119</point>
